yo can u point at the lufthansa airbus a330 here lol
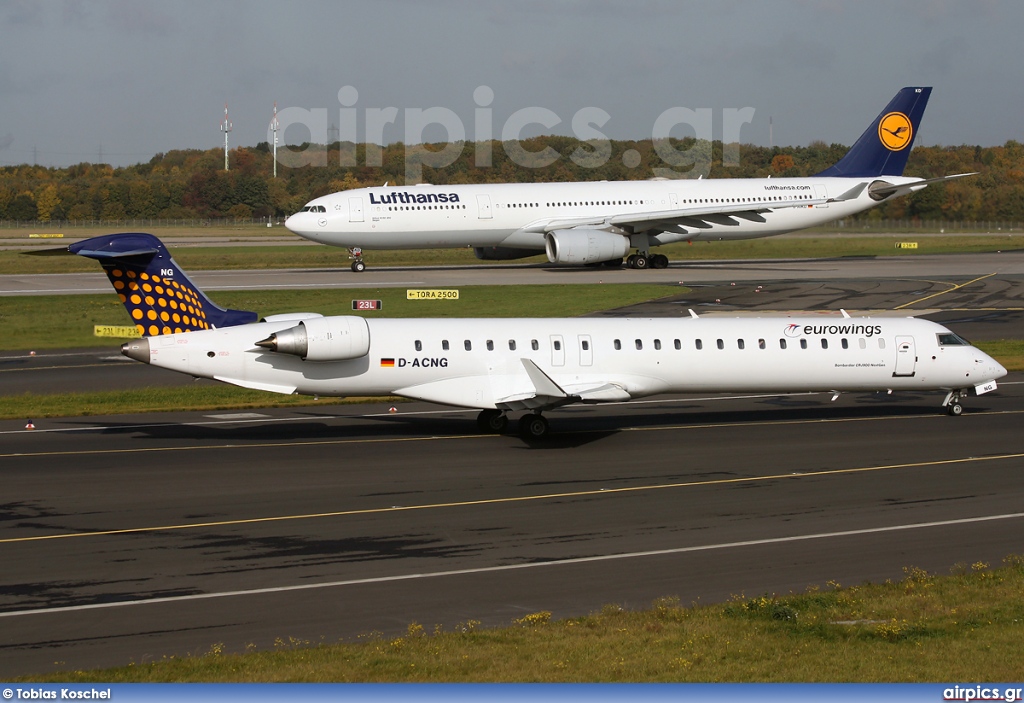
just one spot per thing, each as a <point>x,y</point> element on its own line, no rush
<point>600,222</point>
<point>504,365</point>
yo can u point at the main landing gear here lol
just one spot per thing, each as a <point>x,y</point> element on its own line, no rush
<point>492,421</point>
<point>643,260</point>
<point>356,254</point>
<point>531,425</point>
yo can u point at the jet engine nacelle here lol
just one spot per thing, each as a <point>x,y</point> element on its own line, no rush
<point>584,246</point>
<point>323,339</point>
<point>502,253</point>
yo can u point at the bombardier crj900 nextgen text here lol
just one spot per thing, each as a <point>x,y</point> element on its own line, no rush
<point>599,222</point>
<point>533,365</point>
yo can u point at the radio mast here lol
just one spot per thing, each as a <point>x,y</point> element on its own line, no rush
<point>273,128</point>
<point>225,127</point>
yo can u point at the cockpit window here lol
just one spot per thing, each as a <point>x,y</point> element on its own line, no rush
<point>314,208</point>
<point>948,339</point>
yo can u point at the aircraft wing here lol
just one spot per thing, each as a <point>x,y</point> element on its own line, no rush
<point>701,216</point>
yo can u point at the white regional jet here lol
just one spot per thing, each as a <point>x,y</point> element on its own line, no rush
<point>599,222</point>
<point>532,365</point>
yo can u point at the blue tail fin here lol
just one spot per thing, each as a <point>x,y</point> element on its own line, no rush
<point>156,292</point>
<point>884,148</point>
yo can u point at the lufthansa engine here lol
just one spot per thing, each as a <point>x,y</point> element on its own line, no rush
<point>323,339</point>
<point>584,246</point>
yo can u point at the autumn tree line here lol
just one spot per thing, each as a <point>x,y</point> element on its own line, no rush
<point>184,184</point>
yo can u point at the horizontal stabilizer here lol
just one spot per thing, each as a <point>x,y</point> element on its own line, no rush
<point>881,189</point>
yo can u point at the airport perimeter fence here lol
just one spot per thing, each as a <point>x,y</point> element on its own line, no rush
<point>138,222</point>
<point>870,225</point>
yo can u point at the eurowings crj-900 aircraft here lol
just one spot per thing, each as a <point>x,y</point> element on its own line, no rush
<point>504,365</point>
<point>599,222</point>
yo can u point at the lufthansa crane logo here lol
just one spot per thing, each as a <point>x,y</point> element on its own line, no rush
<point>895,131</point>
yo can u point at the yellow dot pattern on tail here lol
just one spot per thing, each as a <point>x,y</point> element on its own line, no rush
<point>157,305</point>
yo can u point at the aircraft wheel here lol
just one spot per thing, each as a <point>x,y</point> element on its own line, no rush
<point>493,421</point>
<point>358,266</point>
<point>659,261</point>
<point>533,426</point>
<point>631,261</point>
<point>641,262</point>
<point>955,408</point>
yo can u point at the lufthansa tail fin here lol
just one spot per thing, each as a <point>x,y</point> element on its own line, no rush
<point>157,294</point>
<point>884,148</point>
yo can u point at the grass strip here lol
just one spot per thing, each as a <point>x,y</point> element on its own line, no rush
<point>66,321</point>
<point>199,397</point>
<point>966,626</point>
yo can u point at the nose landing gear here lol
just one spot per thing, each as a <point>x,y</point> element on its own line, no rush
<point>954,403</point>
<point>356,254</point>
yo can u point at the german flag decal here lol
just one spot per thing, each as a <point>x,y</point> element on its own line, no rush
<point>387,363</point>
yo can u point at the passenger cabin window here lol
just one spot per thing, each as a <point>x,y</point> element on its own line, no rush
<point>558,345</point>
<point>657,344</point>
<point>444,344</point>
<point>862,343</point>
<point>881,343</point>
<point>639,344</point>
<point>469,345</point>
<point>677,344</point>
<point>761,344</point>
<point>617,344</point>
<point>698,343</point>
<point>846,344</point>
<point>721,344</point>
<point>534,345</point>
<point>511,345</point>
<point>490,345</point>
<point>782,344</point>
<point>419,345</point>
<point>824,343</point>
<point>740,343</point>
<point>585,345</point>
<point>803,343</point>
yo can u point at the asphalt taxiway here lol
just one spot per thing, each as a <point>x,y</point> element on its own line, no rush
<point>136,537</point>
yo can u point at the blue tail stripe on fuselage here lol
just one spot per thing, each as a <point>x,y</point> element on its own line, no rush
<point>871,155</point>
<point>157,294</point>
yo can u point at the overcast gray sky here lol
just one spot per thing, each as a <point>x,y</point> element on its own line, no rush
<point>136,77</point>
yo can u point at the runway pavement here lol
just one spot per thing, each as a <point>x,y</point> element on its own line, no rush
<point>943,266</point>
<point>136,537</point>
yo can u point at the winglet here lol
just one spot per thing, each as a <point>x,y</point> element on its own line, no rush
<point>542,382</point>
<point>157,294</point>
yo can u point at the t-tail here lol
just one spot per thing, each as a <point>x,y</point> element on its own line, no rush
<point>157,294</point>
<point>884,148</point>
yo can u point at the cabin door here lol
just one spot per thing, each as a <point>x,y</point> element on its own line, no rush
<point>906,356</point>
<point>557,350</point>
<point>355,209</point>
<point>483,204</point>
<point>586,350</point>
<point>820,194</point>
